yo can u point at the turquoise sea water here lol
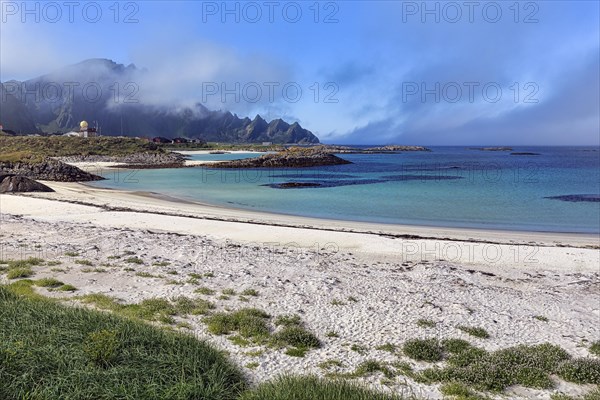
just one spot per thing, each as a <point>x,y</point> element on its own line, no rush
<point>449,186</point>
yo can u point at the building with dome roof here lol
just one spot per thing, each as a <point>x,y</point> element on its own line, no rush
<point>86,131</point>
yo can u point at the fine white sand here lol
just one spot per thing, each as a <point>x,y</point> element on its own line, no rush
<point>369,283</point>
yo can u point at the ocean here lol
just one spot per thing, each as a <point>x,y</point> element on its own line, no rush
<point>447,187</point>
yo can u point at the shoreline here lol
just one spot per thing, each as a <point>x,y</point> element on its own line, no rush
<point>368,284</point>
<point>117,209</point>
<point>490,235</point>
<point>202,210</point>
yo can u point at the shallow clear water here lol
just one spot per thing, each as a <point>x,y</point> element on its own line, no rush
<point>450,186</point>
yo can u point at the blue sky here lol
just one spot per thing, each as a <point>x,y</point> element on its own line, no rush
<point>370,72</point>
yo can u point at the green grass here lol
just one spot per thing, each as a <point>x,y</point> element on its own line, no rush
<point>155,309</point>
<point>51,351</point>
<point>595,348</point>
<point>581,370</point>
<point>53,263</point>
<point>161,264</point>
<point>288,320</point>
<point>296,351</point>
<point>250,292</point>
<point>18,148</point>
<point>296,336</point>
<point>540,318</point>
<point>370,367</point>
<point>87,263</point>
<point>423,350</point>
<point>20,268</point>
<point>34,261</point>
<point>459,391</point>
<point>358,348</point>
<point>426,323</point>
<point>205,291</point>
<point>474,331</point>
<point>455,345</point>
<point>252,325</point>
<point>228,292</point>
<point>185,305</point>
<point>248,322</point>
<point>329,364</point>
<point>530,366</point>
<point>239,341</point>
<point>144,274</point>
<point>312,388</point>
<point>65,288</point>
<point>48,283</point>
<point>391,348</point>
<point>591,395</point>
<point>20,272</point>
<point>134,260</point>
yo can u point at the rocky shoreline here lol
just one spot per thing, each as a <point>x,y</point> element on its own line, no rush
<point>21,184</point>
<point>371,150</point>
<point>47,170</point>
<point>137,158</point>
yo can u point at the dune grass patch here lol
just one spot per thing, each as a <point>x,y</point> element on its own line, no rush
<point>48,350</point>
<point>20,272</point>
<point>48,283</point>
<point>595,348</point>
<point>134,260</point>
<point>253,325</point>
<point>17,269</point>
<point>423,349</point>
<point>530,366</point>
<point>155,309</point>
<point>204,290</point>
<point>250,292</point>
<point>312,388</point>
<point>474,331</point>
<point>426,323</point>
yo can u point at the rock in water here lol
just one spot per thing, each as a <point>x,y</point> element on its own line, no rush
<point>291,158</point>
<point>21,184</point>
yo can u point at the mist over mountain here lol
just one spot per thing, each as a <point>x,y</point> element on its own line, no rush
<point>112,96</point>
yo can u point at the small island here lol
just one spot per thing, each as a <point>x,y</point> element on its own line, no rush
<point>294,157</point>
<point>491,148</point>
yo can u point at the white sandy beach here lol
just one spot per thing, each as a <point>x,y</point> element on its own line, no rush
<point>380,278</point>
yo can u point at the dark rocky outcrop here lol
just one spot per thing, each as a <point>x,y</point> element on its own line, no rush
<point>21,184</point>
<point>142,158</point>
<point>371,150</point>
<point>396,148</point>
<point>577,198</point>
<point>492,148</point>
<point>524,153</point>
<point>291,158</point>
<point>47,170</point>
<point>294,185</point>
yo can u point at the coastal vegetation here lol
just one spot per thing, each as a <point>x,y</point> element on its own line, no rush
<point>48,350</point>
<point>23,147</point>
<point>464,370</point>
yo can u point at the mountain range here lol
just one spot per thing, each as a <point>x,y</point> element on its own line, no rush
<point>102,92</point>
